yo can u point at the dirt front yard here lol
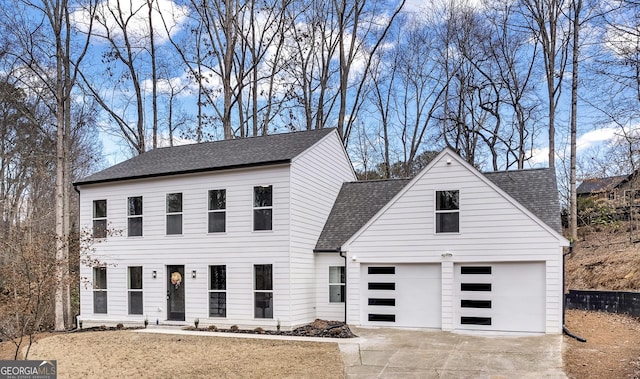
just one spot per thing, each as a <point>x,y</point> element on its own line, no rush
<point>148,355</point>
<point>612,349</point>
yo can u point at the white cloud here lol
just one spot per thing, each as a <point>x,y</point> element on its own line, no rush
<point>595,137</point>
<point>112,14</point>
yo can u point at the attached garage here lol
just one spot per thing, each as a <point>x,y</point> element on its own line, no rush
<point>500,296</point>
<point>405,295</point>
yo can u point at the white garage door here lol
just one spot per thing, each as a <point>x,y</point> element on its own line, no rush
<point>407,295</point>
<point>500,296</point>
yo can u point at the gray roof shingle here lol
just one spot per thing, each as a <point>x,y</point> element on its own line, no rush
<point>535,189</point>
<point>358,202</point>
<point>211,156</point>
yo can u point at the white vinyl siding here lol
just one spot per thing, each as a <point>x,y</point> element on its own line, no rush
<point>196,249</point>
<point>316,178</point>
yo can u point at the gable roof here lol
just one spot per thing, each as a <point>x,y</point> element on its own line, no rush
<point>535,189</point>
<point>594,185</point>
<point>211,156</point>
<point>357,202</point>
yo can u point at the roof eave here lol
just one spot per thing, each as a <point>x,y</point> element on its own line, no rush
<point>173,173</point>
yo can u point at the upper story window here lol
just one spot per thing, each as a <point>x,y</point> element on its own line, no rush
<point>174,213</point>
<point>100,218</point>
<point>217,211</point>
<point>447,211</point>
<point>262,207</point>
<point>134,216</point>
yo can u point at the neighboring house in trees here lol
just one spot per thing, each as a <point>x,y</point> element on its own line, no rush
<point>275,230</point>
<point>621,189</point>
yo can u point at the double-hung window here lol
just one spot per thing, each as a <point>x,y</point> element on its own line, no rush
<point>135,290</point>
<point>174,213</point>
<point>217,211</point>
<point>336,284</point>
<point>447,211</point>
<point>262,207</point>
<point>218,291</point>
<point>99,219</point>
<point>99,290</point>
<point>134,216</point>
<point>263,291</point>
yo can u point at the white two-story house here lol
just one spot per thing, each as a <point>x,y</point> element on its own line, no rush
<point>276,231</point>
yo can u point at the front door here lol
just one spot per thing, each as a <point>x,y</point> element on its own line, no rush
<point>175,293</point>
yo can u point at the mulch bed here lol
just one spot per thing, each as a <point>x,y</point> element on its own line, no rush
<point>318,328</point>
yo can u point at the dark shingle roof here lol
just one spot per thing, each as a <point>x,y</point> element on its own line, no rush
<point>594,185</point>
<point>535,189</point>
<point>211,156</point>
<point>357,202</point>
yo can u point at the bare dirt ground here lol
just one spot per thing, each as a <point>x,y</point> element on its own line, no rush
<point>612,349</point>
<point>605,258</point>
<point>146,355</point>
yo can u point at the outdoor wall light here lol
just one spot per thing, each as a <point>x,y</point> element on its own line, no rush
<point>154,274</point>
<point>193,274</point>
<point>354,258</point>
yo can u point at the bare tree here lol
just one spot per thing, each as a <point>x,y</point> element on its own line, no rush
<point>546,24</point>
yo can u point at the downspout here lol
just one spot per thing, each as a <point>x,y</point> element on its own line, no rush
<point>343,255</point>
<point>566,330</point>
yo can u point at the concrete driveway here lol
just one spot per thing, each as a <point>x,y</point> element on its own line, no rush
<point>393,353</point>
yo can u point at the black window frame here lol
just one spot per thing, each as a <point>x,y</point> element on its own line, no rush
<point>100,297</point>
<point>447,212</point>
<point>174,215</point>
<point>263,291</point>
<point>135,294</point>
<point>337,287</point>
<point>217,211</point>
<point>99,220</point>
<point>217,291</point>
<point>262,201</point>
<point>134,217</point>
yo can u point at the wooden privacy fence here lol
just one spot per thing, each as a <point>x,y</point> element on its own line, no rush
<point>605,301</point>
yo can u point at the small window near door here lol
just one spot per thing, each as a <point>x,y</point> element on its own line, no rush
<point>100,290</point>
<point>174,213</point>
<point>135,290</point>
<point>447,211</point>
<point>263,291</point>
<point>218,291</point>
<point>336,284</point>
<point>134,216</point>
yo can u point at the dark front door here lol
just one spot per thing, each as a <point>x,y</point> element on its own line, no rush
<point>175,293</point>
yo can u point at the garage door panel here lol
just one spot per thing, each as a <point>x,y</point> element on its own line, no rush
<point>515,300</point>
<point>415,295</point>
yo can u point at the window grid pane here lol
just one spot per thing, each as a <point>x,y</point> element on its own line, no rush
<point>263,278</point>
<point>217,304</point>
<point>217,200</point>
<point>174,202</point>
<point>263,305</point>
<point>135,206</point>
<point>218,278</point>
<point>135,277</point>
<point>217,222</point>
